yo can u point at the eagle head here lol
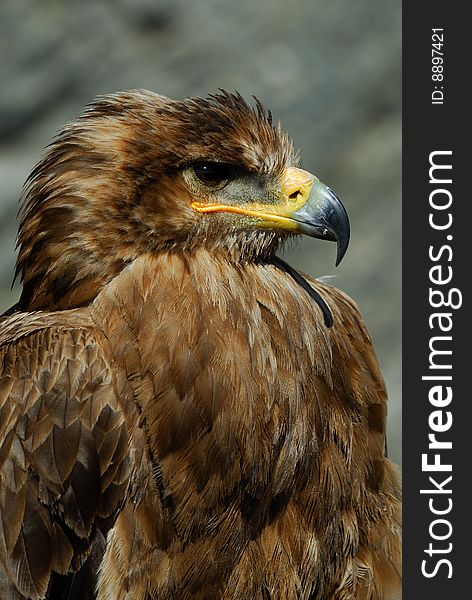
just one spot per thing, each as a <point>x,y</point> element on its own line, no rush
<point>139,173</point>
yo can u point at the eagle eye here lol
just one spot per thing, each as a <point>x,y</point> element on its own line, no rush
<point>213,174</point>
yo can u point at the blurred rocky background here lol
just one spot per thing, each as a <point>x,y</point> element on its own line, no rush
<point>328,69</point>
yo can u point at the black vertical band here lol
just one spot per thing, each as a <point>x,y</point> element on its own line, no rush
<point>437,398</point>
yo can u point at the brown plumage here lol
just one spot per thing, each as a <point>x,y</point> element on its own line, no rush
<point>178,419</point>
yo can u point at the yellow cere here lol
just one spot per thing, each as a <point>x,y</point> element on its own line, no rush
<point>295,186</point>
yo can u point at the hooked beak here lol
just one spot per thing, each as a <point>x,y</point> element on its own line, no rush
<point>305,205</point>
<point>324,216</point>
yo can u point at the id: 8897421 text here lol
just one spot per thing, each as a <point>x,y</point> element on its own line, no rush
<point>437,66</point>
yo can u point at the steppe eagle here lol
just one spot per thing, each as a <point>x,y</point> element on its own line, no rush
<point>182,414</point>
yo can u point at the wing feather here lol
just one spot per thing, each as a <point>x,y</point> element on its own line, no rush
<point>65,461</point>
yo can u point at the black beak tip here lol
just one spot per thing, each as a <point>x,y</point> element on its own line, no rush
<point>341,228</point>
<point>343,244</point>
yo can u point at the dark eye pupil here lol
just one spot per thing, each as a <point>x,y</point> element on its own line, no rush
<point>212,173</point>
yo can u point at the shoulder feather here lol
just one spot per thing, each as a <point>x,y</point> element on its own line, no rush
<point>64,446</point>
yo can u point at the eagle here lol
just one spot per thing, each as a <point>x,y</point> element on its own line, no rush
<point>183,415</point>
